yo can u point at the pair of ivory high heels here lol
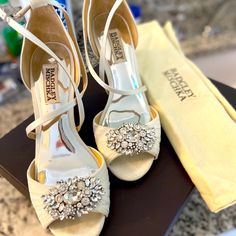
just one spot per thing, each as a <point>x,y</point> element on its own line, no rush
<point>69,180</point>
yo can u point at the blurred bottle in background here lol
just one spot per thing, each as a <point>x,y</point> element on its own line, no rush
<point>10,49</point>
<point>10,41</point>
<point>137,12</point>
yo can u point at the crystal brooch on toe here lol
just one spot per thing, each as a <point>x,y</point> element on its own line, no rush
<point>73,197</point>
<point>130,139</point>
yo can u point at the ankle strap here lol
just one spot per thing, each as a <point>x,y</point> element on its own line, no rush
<point>103,63</point>
<point>78,60</point>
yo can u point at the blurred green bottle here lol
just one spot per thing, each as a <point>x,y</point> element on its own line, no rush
<point>12,39</point>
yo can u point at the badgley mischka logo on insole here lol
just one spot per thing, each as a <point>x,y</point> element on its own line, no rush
<point>179,85</point>
<point>116,46</point>
<point>50,77</point>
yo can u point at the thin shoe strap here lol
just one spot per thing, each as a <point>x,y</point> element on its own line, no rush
<point>80,62</point>
<point>99,80</point>
<point>103,62</point>
<point>49,116</point>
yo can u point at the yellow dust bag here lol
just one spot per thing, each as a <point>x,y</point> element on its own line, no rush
<point>199,122</point>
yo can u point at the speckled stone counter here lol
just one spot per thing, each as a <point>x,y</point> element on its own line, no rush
<point>17,216</point>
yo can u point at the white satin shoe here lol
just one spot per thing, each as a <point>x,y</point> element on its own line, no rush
<point>127,131</point>
<point>68,181</point>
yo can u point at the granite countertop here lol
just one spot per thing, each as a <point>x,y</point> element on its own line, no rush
<point>17,216</point>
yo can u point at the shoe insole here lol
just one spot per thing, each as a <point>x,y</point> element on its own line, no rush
<point>124,76</point>
<point>60,152</point>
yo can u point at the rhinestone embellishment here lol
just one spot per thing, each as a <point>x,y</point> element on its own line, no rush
<point>73,197</point>
<point>130,139</point>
